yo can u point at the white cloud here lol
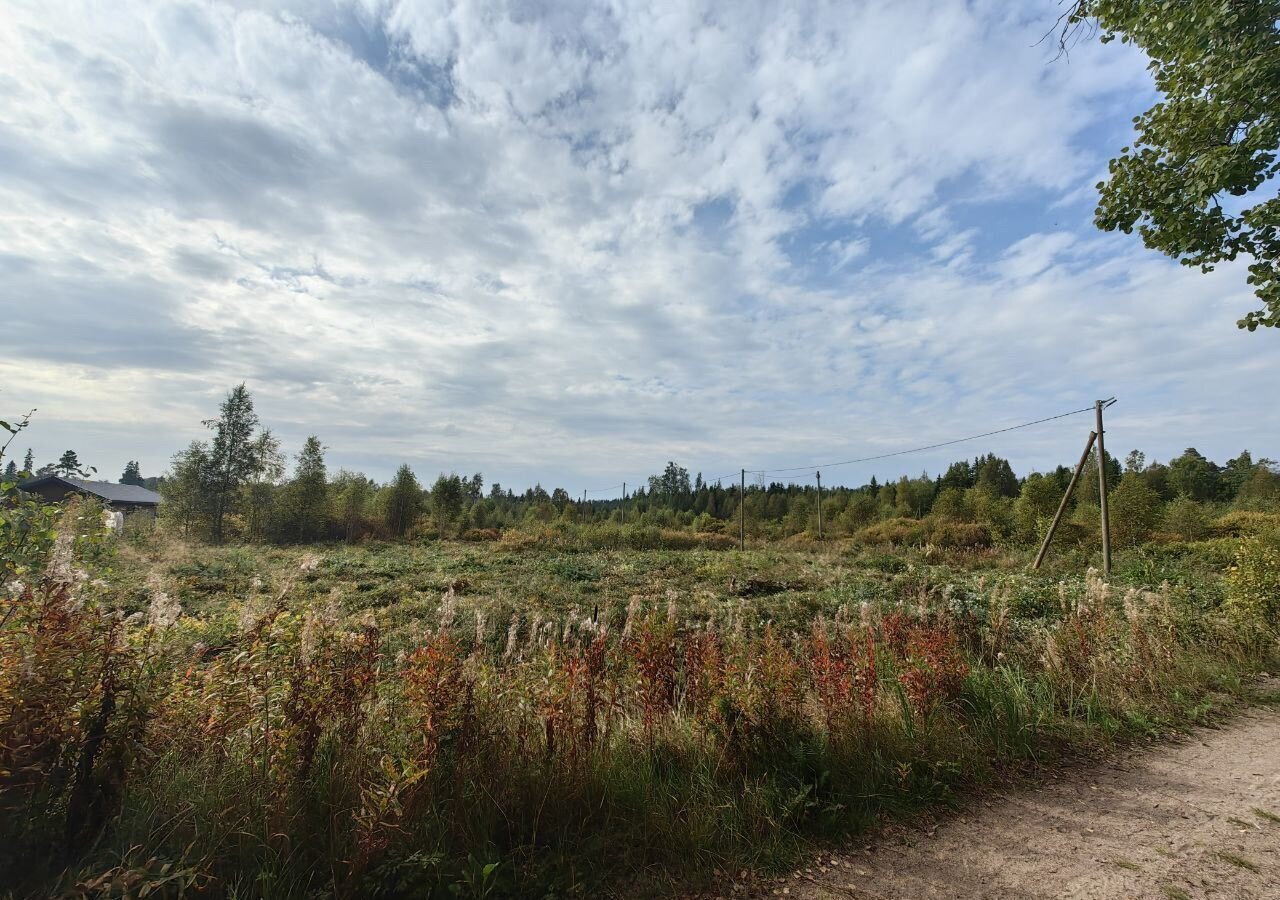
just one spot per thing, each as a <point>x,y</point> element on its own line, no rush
<point>571,241</point>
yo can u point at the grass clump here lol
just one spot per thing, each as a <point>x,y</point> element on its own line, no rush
<point>1237,860</point>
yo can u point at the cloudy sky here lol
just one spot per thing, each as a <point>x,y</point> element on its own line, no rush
<point>567,241</point>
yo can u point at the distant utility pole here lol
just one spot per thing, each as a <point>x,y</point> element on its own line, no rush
<point>818,475</point>
<point>624,503</point>
<point>1098,406</point>
<point>742,512</point>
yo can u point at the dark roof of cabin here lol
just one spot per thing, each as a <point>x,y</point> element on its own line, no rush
<point>131,494</point>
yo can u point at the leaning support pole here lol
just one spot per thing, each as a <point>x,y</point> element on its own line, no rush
<point>1066,498</point>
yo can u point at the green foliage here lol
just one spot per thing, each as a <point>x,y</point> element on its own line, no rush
<point>951,503</point>
<point>402,502</point>
<point>1246,523</point>
<point>305,506</point>
<point>1087,487</point>
<point>68,463</point>
<point>1261,491</point>
<point>184,503</point>
<point>258,496</point>
<point>1186,519</point>
<point>1135,511</point>
<point>447,496</point>
<point>353,498</point>
<point>1253,581</point>
<point>1194,476</point>
<point>232,459</point>
<point>26,522</point>
<point>1194,180</point>
<point>1035,506</point>
<point>132,473</point>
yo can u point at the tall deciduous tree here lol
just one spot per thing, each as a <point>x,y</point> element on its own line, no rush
<point>259,494</point>
<point>1135,511</point>
<point>1194,476</point>
<point>446,501</point>
<point>183,490</point>
<point>1195,180</point>
<point>403,503</point>
<point>307,498</point>
<point>233,458</point>
<point>353,493</point>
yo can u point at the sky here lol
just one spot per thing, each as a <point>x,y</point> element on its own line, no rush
<point>565,242</point>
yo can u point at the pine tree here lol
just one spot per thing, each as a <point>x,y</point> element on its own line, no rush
<point>11,471</point>
<point>29,462</point>
<point>132,473</point>
<point>68,463</point>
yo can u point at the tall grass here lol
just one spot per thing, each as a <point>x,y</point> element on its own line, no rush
<point>303,754</point>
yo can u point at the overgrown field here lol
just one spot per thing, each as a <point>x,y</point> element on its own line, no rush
<point>542,718</point>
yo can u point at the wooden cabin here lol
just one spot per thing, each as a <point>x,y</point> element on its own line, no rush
<point>129,499</point>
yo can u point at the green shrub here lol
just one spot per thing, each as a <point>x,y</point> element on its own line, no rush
<point>1186,519</point>
<point>1135,510</point>
<point>1253,581</point>
<point>479,535</point>
<point>902,532</point>
<point>1243,523</point>
<point>960,535</point>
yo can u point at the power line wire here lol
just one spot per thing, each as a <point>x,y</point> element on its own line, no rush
<point>972,437</point>
<point>847,462</point>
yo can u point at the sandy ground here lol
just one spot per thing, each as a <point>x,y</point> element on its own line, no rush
<point>1168,821</point>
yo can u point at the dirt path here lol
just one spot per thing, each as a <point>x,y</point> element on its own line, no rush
<point>1171,821</point>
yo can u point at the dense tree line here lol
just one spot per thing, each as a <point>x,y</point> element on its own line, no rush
<point>239,483</point>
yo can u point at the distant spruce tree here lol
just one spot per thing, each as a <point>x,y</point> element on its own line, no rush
<point>403,502</point>
<point>132,473</point>
<point>68,463</point>
<point>29,462</point>
<point>11,471</point>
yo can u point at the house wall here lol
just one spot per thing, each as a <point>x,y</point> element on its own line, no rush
<point>52,492</point>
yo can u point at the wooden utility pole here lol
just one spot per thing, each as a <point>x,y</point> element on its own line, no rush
<point>1102,489</point>
<point>742,511</point>
<point>624,503</point>
<point>818,475</point>
<point>1066,497</point>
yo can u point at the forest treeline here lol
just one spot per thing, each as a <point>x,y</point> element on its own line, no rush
<point>239,484</point>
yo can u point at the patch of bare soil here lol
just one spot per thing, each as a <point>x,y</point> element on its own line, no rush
<point>1197,818</point>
